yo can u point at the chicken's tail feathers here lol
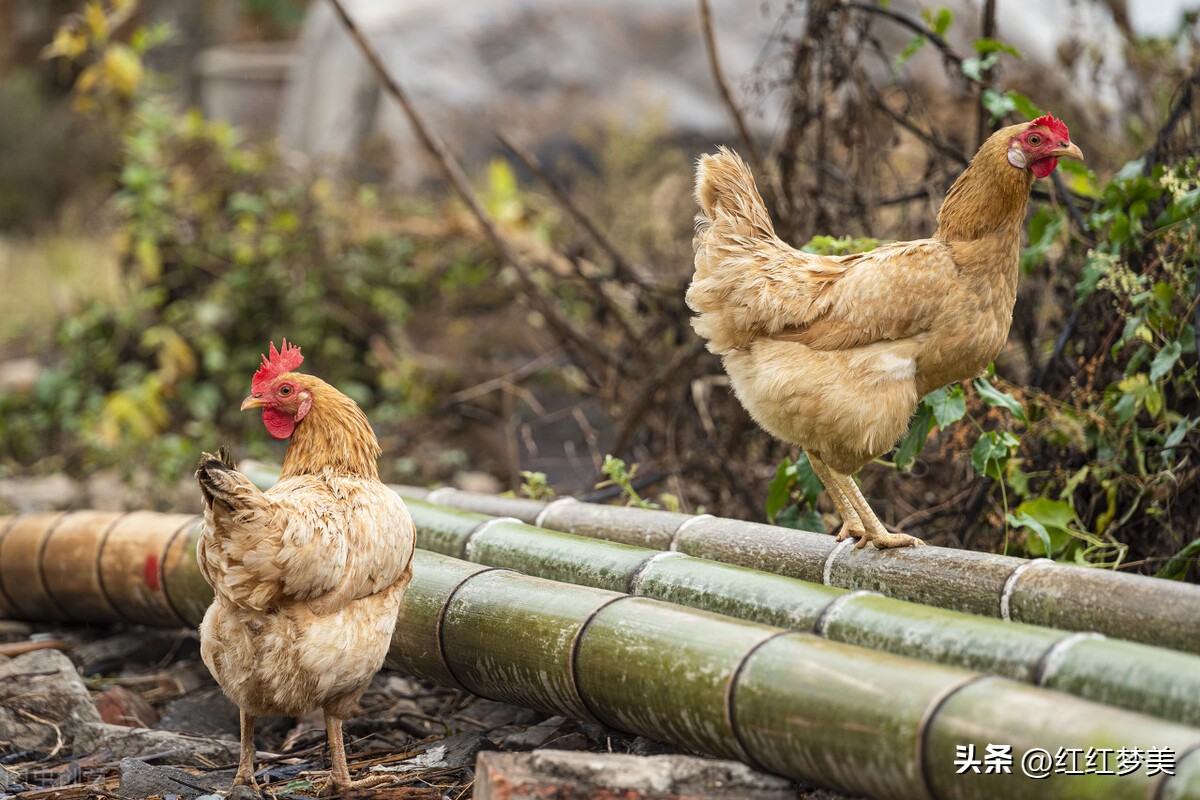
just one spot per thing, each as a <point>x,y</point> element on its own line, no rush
<point>735,246</point>
<point>220,482</point>
<point>726,192</point>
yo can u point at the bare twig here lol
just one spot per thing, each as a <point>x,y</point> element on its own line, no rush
<point>457,178</point>
<point>1182,105</point>
<point>916,26</point>
<point>757,164</point>
<point>989,32</point>
<point>645,395</point>
<point>621,266</point>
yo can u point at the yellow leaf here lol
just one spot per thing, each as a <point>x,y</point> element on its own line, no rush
<point>122,69</point>
<point>148,258</point>
<point>93,17</point>
<point>67,43</point>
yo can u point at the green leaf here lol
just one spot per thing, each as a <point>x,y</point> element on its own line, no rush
<point>949,405</point>
<point>808,482</point>
<point>998,104</point>
<point>914,441</point>
<point>911,49</point>
<point>1165,360</point>
<point>998,399</point>
<point>991,453</point>
<point>940,20</point>
<point>1028,522</point>
<point>985,46</point>
<point>1025,106</point>
<point>779,492</point>
<point>807,520</point>
<point>1177,568</point>
<point>1050,519</point>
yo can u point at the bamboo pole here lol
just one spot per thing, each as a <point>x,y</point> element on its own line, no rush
<point>1041,592</point>
<point>823,712</point>
<point>1133,676</point>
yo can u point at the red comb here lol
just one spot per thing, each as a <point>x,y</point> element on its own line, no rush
<point>1056,126</point>
<point>285,359</point>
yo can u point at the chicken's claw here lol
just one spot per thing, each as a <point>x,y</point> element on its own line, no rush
<point>884,541</point>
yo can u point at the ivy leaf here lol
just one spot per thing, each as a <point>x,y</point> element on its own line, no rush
<point>1165,360</point>
<point>914,441</point>
<point>949,405</point>
<point>998,399</point>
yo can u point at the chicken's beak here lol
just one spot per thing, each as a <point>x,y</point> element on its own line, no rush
<point>1070,151</point>
<point>253,401</point>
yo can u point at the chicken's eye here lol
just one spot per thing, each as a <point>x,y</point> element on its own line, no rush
<point>1035,140</point>
<point>285,390</point>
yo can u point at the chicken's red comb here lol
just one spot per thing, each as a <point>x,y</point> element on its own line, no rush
<point>1056,126</point>
<point>285,359</point>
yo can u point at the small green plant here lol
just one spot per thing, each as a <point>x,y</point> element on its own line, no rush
<point>535,486</point>
<point>621,476</point>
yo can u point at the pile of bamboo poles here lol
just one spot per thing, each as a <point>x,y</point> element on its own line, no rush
<point>852,718</point>
<point>1039,592</point>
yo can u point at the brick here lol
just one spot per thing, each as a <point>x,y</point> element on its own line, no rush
<point>565,775</point>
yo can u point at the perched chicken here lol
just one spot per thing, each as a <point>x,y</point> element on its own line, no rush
<point>833,353</point>
<point>308,575</point>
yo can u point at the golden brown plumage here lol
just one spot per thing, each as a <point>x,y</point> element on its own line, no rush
<point>833,353</point>
<point>308,575</point>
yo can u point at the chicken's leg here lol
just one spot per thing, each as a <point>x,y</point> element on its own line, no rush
<point>874,531</point>
<point>852,526</point>
<point>339,773</point>
<point>245,773</point>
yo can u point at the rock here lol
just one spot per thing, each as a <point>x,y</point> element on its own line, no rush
<point>119,706</point>
<point>461,749</point>
<point>41,493</point>
<point>47,708</point>
<point>557,733</point>
<point>137,645</point>
<point>206,712</point>
<point>583,776</point>
<point>45,705</point>
<point>491,714</point>
<point>139,779</point>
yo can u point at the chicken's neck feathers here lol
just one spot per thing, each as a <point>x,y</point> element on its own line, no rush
<point>333,438</point>
<point>989,198</point>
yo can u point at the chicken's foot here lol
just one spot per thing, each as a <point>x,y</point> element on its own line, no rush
<point>869,528</point>
<point>245,773</point>
<point>852,526</point>
<point>339,773</point>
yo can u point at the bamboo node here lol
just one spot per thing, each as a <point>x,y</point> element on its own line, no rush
<point>540,521</point>
<point>674,546</point>
<point>1010,585</point>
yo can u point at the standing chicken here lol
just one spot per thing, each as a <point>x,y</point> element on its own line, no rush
<point>833,353</point>
<point>308,575</point>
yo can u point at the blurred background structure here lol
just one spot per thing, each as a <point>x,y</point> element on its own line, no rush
<point>181,182</point>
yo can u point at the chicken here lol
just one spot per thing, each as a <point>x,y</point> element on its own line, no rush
<point>833,353</point>
<point>308,575</point>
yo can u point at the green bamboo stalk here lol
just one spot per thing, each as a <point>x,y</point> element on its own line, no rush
<point>818,711</point>
<point>1134,607</point>
<point>1126,675</point>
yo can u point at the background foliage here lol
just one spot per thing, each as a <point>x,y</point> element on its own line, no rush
<point>1082,445</point>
